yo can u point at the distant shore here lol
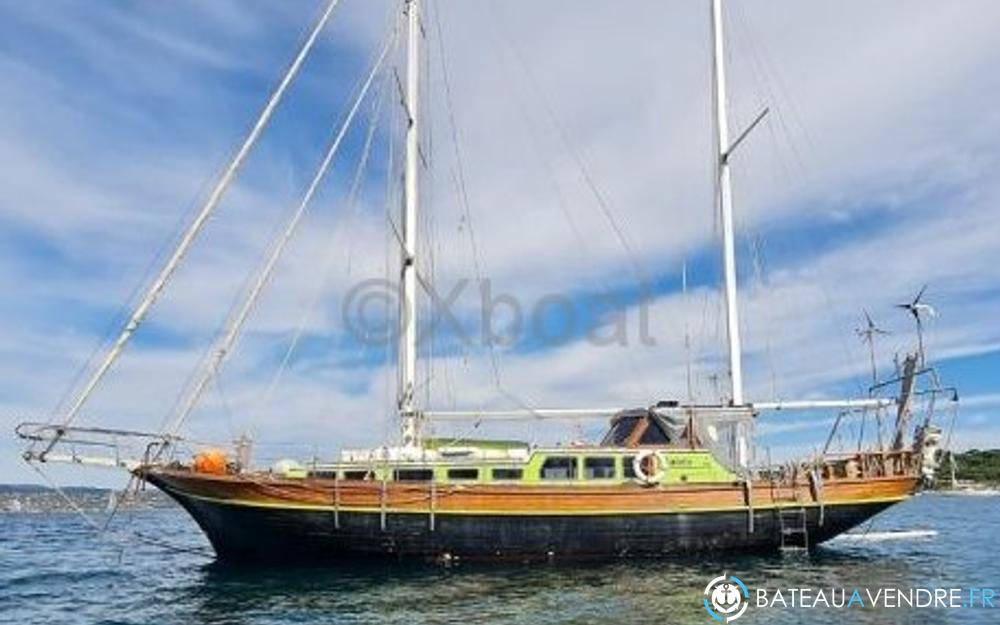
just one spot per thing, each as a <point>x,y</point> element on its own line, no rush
<point>27,498</point>
<point>975,469</point>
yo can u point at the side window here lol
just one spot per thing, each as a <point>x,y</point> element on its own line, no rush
<point>413,475</point>
<point>507,474</point>
<point>599,468</point>
<point>323,474</point>
<point>463,474</point>
<point>559,468</point>
<point>628,466</point>
<point>356,475</point>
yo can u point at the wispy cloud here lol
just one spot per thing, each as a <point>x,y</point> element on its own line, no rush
<point>872,176</point>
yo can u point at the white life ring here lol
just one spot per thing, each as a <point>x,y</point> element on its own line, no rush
<point>657,468</point>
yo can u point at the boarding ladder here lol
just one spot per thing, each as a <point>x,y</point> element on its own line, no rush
<point>793,518</point>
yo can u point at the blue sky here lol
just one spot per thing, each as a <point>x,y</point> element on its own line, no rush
<point>872,176</point>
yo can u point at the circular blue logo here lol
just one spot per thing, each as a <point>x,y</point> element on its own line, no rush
<point>726,598</point>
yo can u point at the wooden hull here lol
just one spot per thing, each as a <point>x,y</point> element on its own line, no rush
<point>266,519</point>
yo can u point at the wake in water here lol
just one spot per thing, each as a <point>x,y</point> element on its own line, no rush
<point>888,535</point>
<point>973,492</point>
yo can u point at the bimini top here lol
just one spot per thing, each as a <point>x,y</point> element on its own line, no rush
<point>637,427</point>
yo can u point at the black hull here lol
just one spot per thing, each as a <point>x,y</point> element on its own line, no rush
<point>273,534</point>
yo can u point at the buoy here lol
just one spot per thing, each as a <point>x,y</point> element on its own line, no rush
<point>211,461</point>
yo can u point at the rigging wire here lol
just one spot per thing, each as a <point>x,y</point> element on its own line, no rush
<point>427,272</point>
<point>204,359</point>
<point>327,266</point>
<point>428,222</point>
<point>105,336</point>
<point>160,283</point>
<point>460,179</point>
<point>755,245</point>
<point>766,76</point>
<point>235,326</point>
<point>579,161</point>
<point>172,240</point>
<point>385,89</point>
<point>778,92</point>
<point>393,198</point>
<point>118,537</point>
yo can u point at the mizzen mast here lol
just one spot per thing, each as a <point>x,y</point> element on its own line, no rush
<point>408,278</point>
<point>725,199</point>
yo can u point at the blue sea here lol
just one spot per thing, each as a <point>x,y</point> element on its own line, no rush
<point>57,569</point>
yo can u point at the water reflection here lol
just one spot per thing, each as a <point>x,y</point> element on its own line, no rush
<point>632,592</point>
<point>57,573</point>
<point>623,592</point>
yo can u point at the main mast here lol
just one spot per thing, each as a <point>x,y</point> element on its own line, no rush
<point>725,198</point>
<point>408,278</point>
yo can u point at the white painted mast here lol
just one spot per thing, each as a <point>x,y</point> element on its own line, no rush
<point>725,198</point>
<point>408,278</point>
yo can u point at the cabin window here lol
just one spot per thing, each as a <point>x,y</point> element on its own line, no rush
<point>413,475</point>
<point>463,474</point>
<point>356,475</point>
<point>559,468</point>
<point>599,468</point>
<point>628,466</point>
<point>323,474</point>
<point>507,474</point>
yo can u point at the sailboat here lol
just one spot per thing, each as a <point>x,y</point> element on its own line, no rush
<point>671,478</point>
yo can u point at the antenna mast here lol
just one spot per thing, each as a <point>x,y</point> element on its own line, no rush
<point>687,335</point>
<point>408,278</point>
<point>725,198</point>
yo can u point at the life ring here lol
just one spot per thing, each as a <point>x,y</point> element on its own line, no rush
<point>648,468</point>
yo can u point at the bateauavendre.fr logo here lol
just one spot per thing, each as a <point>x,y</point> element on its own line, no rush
<point>727,598</point>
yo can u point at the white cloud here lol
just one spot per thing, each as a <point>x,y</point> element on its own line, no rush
<point>876,113</point>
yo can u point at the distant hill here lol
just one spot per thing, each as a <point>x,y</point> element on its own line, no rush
<point>35,489</point>
<point>981,466</point>
<point>34,498</point>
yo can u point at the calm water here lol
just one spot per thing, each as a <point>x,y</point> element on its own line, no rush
<point>54,570</point>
